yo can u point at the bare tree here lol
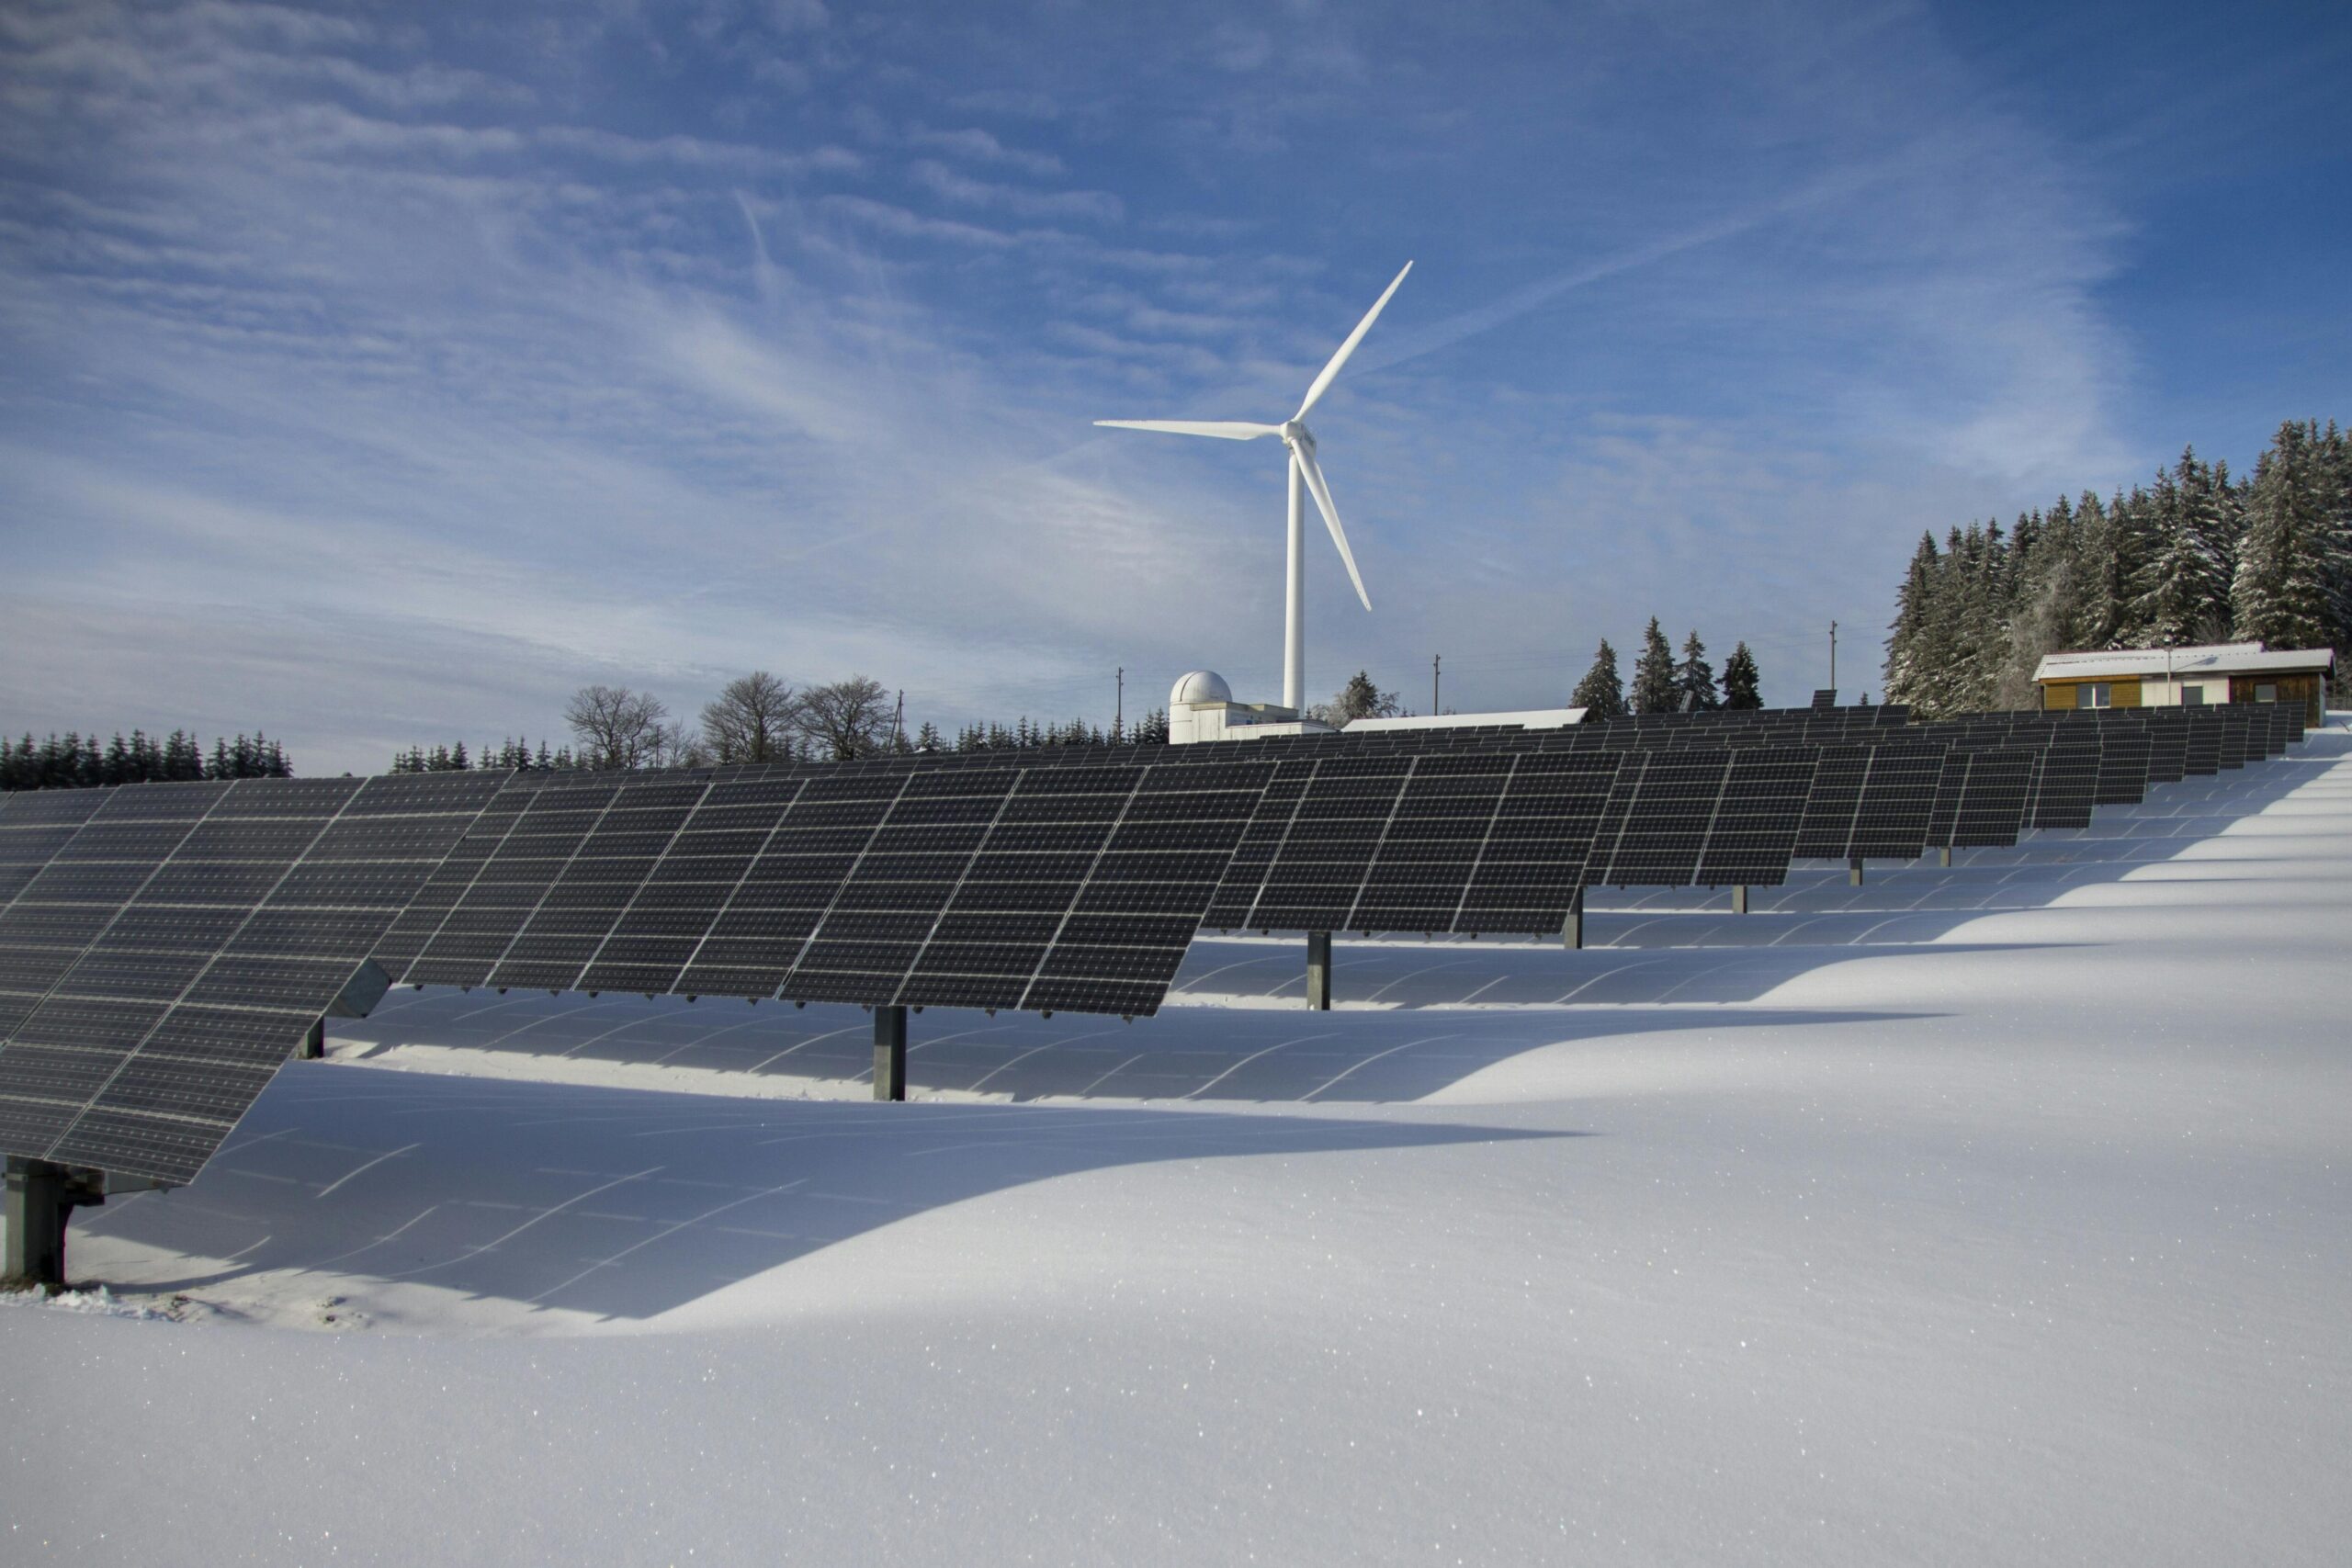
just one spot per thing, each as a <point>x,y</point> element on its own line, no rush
<point>617,727</point>
<point>752,720</point>
<point>675,746</point>
<point>847,718</point>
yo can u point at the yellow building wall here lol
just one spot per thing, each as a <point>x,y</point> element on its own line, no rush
<point>2060,695</point>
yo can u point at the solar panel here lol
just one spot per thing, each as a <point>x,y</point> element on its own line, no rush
<point>1435,840</point>
<point>34,825</point>
<point>222,920</point>
<point>1891,822</point>
<point>1753,833</point>
<point>1334,833</point>
<point>1125,931</point>
<point>1678,819</point>
<point>1980,797</point>
<point>2067,786</point>
<point>1533,858</point>
<point>162,946</point>
<point>2236,736</point>
<point>660,940</point>
<point>2124,753</point>
<point>634,829</point>
<point>2168,747</point>
<point>2203,756</point>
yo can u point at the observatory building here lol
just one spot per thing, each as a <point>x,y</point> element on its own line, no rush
<point>1201,708</point>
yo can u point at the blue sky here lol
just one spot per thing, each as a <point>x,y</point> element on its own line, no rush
<point>380,376</point>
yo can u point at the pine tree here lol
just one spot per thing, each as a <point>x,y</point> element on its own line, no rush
<point>2292,553</point>
<point>1654,689</point>
<point>1601,694</point>
<point>1906,673</point>
<point>1695,678</point>
<point>1741,682</point>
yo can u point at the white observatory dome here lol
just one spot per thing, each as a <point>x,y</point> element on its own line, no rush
<point>1200,686</point>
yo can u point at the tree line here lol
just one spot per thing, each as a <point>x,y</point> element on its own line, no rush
<point>2193,557</point>
<point>1663,683</point>
<point>759,718</point>
<point>79,761</point>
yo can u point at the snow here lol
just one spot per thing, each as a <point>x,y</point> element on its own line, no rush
<point>1996,1214</point>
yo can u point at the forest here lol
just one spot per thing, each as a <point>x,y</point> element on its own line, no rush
<point>78,762</point>
<point>2193,557</point>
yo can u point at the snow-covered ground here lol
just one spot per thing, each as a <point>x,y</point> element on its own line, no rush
<point>1992,1215</point>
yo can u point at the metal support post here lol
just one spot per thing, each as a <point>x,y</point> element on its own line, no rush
<point>40,1198</point>
<point>314,1042</point>
<point>1854,871</point>
<point>1572,929</point>
<point>1318,971</point>
<point>1739,899</point>
<point>1943,856</point>
<point>890,1052</point>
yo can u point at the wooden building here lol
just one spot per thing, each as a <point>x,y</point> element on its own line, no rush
<point>2165,677</point>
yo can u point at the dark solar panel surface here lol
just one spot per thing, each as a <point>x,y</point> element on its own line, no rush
<point>2236,736</point>
<point>2123,760</point>
<point>34,825</point>
<point>1443,842</point>
<point>1871,801</point>
<point>1059,886</point>
<point>1709,817</point>
<point>217,921</point>
<point>1981,798</point>
<point>161,947</point>
<point>2067,787</point>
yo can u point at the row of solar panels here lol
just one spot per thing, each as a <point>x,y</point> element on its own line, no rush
<point>162,946</point>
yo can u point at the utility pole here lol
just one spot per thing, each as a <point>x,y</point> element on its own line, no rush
<point>1434,659</point>
<point>899,723</point>
<point>1119,706</point>
<point>1833,659</point>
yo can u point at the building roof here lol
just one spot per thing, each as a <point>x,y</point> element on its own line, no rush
<point>1523,718</point>
<point>2213,658</point>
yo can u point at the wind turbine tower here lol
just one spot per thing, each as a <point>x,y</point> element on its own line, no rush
<point>1305,473</point>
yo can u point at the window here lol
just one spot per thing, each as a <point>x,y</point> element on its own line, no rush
<point>2265,693</point>
<point>2192,696</point>
<point>2093,694</point>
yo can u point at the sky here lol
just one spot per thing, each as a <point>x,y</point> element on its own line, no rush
<point>378,376</point>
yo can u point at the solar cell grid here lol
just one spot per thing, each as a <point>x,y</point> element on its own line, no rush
<point>2236,736</point>
<point>1749,837</point>
<point>1654,828</point>
<point>150,1044</point>
<point>2067,786</point>
<point>2124,756</point>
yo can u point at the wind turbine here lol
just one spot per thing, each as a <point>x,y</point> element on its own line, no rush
<point>1303,471</point>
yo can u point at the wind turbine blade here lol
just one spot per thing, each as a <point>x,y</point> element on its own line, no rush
<point>1222,429</point>
<point>1314,472</point>
<point>1323,382</point>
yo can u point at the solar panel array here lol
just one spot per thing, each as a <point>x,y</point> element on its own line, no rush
<point>1470,840</point>
<point>164,946</point>
<point>157,970</point>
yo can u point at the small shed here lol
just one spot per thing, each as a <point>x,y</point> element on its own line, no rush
<point>2167,677</point>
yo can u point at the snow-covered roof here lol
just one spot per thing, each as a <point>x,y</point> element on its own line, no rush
<point>2213,658</point>
<point>1524,719</point>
